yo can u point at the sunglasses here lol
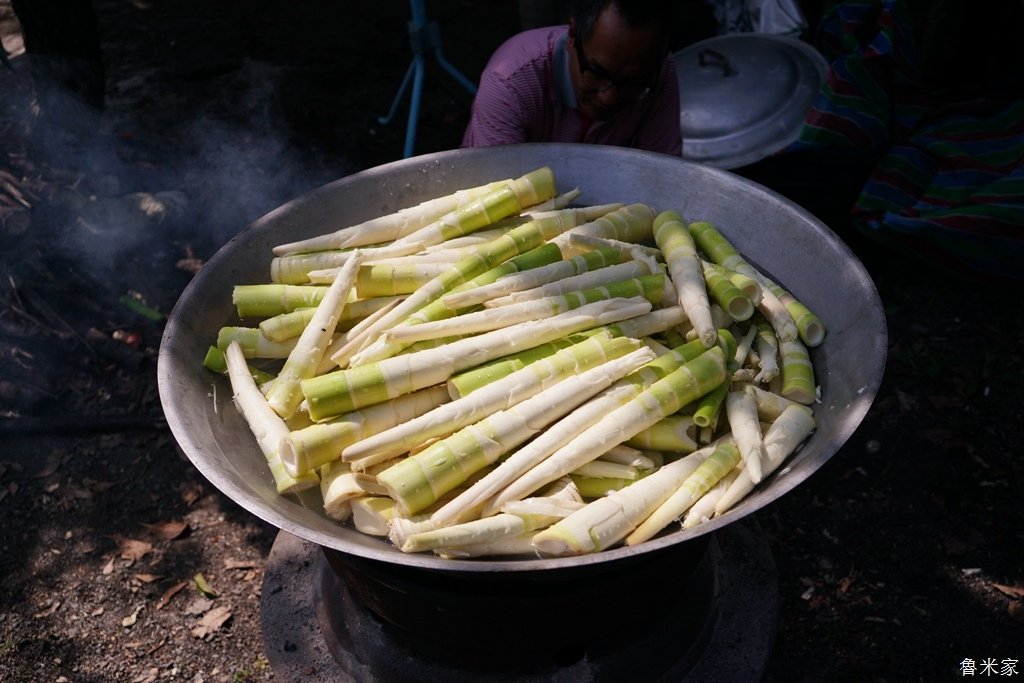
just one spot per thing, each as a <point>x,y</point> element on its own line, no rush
<point>600,80</point>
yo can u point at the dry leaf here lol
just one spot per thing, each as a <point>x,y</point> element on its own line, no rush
<point>168,530</point>
<point>241,564</point>
<point>170,593</point>
<point>211,621</point>
<point>189,265</point>
<point>109,566</point>
<point>132,549</point>
<point>131,618</point>
<point>148,578</point>
<point>198,606</point>
<point>156,647</point>
<point>52,463</point>
<point>48,610</point>
<point>191,493</point>
<point>97,612</point>
<point>1015,591</point>
<point>76,491</point>
<point>147,676</point>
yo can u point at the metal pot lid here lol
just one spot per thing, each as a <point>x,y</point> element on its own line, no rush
<point>744,96</point>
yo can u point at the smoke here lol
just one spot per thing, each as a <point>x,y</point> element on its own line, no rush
<point>141,193</point>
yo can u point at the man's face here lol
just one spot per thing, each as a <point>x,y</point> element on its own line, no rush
<point>615,66</point>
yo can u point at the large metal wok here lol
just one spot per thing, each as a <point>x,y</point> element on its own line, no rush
<point>784,240</point>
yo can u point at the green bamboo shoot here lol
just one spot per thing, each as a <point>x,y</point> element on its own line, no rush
<point>769,404</point>
<point>302,362</point>
<point>672,434</point>
<point>464,383</point>
<point>371,514</point>
<point>704,509</point>
<point>650,287</point>
<point>216,362</point>
<point>741,411</point>
<point>588,280</point>
<point>603,469</point>
<point>687,383</point>
<point>723,458</point>
<point>684,266</point>
<point>348,342</point>
<point>633,457</point>
<point>507,546</point>
<point>632,223</point>
<point>732,300</point>
<point>345,390</point>
<point>599,258</point>
<point>500,395</point>
<point>265,424</point>
<point>390,226</point>
<point>285,326</point>
<point>295,270</point>
<point>263,301</point>
<point>525,191</point>
<point>517,241</point>
<point>393,279</point>
<point>304,450</point>
<point>809,326</point>
<point>578,243</point>
<point>252,342</point>
<point>339,485</point>
<point>418,481</point>
<point>562,433</point>
<point>436,310</point>
<point>606,521</point>
<point>718,248</point>
<point>544,511</point>
<point>767,347</point>
<point>783,436</point>
<point>797,372</point>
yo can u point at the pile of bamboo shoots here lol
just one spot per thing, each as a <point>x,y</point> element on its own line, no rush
<point>500,372</point>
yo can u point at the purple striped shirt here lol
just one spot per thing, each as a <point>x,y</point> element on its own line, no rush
<point>524,96</point>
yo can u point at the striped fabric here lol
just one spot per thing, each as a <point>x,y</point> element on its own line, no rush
<point>948,183</point>
<point>953,193</point>
<point>872,93</point>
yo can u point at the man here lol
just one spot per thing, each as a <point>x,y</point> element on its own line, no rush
<point>607,78</point>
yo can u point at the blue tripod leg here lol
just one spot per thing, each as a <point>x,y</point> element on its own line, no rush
<point>402,89</point>
<point>423,35</point>
<point>414,106</point>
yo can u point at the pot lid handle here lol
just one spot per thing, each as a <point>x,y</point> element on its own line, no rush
<point>709,57</point>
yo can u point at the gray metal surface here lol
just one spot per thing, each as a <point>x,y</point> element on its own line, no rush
<point>787,242</point>
<point>744,96</point>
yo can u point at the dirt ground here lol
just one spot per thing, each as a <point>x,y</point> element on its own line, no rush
<point>897,561</point>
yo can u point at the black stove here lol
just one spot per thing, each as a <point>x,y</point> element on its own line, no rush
<point>706,610</point>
